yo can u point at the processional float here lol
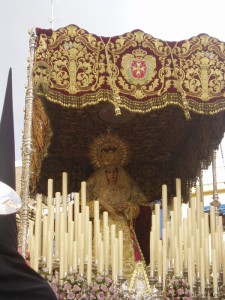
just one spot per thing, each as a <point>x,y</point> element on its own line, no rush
<point>166,99</point>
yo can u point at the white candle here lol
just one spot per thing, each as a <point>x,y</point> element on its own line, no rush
<point>176,261</point>
<point>115,260</point>
<point>198,205</point>
<point>223,263</point>
<point>214,269</point>
<point>86,237</point>
<point>70,226</point>
<point>89,261</point>
<point>105,220</point>
<point>160,260</point>
<point>101,257</point>
<point>36,257</point>
<point>113,236</point>
<point>83,196</point>
<point>70,213</point>
<point>197,249</point>
<point>50,191</point>
<point>212,225</point>
<point>61,261</point>
<point>154,249</point>
<point>176,215</point>
<point>181,250</point>
<point>202,226</point>
<point>57,224</point>
<point>32,247</point>
<point>117,256</point>
<point>157,231</point>
<point>81,269</point>
<point>220,241</point>
<point>120,240</point>
<point>178,188</point>
<point>96,236</point>
<point>51,218</point>
<point>96,210</point>
<point>45,236</point>
<point>202,273</point>
<point>75,255</point>
<point>96,227</point>
<point>185,241</point>
<point>178,196</point>
<point>207,273</point>
<point>165,260</point>
<point>61,250</point>
<point>172,255</point>
<point>66,266</point>
<point>31,233</point>
<point>70,243</point>
<point>76,211</point>
<point>64,196</point>
<point>83,210</point>
<point>113,251</point>
<point>38,231</point>
<point>79,231</point>
<point>106,241</point>
<point>164,204</point>
<point>190,271</point>
<point>50,251</point>
<point>152,259</point>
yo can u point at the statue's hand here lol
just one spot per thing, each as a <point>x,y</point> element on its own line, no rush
<point>108,207</point>
<point>120,207</point>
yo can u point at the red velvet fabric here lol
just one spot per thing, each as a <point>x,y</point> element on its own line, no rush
<point>142,226</point>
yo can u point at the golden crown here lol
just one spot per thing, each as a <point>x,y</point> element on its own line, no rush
<point>139,52</point>
<point>108,149</point>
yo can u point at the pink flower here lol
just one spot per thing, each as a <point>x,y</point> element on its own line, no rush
<point>99,279</point>
<point>112,289</point>
<point>100,296</point>
<point>71,296</point>
<point>108,280</point>
<point>95,288</point>
<point>61,296</point>
<point>180,291</point>
<point>67,286</point>
<point>104,288</point>
<point>45,269</point>
<point>76,288</point>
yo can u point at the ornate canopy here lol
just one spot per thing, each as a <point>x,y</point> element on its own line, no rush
<point>165,99</point>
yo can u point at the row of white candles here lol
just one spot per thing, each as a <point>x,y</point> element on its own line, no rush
<point>72,237</point>
<point>186,242</point>
<point>194,243</point>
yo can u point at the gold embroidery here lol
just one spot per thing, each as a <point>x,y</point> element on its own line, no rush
<point>72,68</point>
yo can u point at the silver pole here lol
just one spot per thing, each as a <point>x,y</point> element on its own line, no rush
<point>27,146</point>
<point>215,201</point>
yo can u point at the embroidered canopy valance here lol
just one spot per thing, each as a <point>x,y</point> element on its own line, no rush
<point>166,99</point>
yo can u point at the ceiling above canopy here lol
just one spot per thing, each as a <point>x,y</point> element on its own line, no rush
<point>166,99</point>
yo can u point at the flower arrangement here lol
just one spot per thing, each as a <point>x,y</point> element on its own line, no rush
<point>178,288</point>
<point>103,287</point>
<point>43,271</point>
<point>51,278</point>
<point>73,286</point>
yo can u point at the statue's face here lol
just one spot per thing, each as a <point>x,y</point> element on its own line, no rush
<point>111,174</point>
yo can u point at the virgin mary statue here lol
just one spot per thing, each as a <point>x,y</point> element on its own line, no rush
<point>117,193</point>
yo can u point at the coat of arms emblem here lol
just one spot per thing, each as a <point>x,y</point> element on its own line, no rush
<point>138,67</point>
